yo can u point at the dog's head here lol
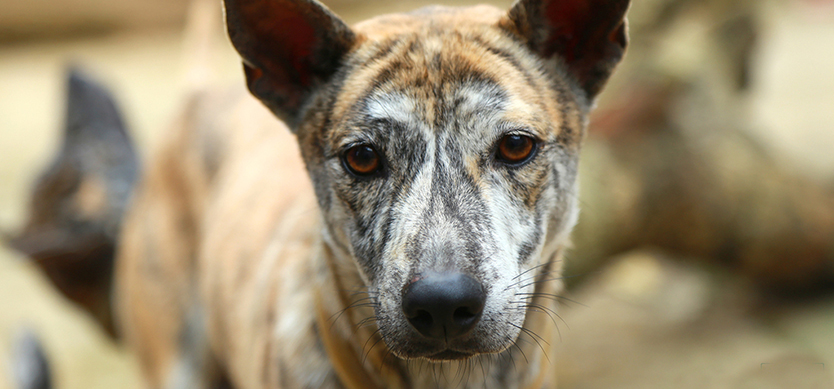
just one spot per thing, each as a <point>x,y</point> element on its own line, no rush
<point>443,147</point>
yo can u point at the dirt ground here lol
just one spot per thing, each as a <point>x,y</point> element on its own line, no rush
<point>645,319</point>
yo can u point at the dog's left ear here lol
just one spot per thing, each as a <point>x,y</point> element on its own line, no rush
<point>588,35</point>
<point>289,48</point>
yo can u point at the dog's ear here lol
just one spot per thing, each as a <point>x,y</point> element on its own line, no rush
<point>588,35</point>
<point>289,48</point>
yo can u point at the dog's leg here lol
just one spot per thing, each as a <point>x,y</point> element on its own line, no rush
<point>195,366</point>
<point>29,364</point>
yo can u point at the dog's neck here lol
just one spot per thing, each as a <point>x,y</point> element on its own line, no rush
<point>361,359</point>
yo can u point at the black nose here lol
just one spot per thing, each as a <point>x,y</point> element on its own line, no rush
<point>444,306</point>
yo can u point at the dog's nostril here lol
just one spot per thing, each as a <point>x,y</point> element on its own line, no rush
<point>444,306</point>
<point>422,319</point>
<point>463,314</point>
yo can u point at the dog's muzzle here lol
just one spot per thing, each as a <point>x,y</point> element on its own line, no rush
<point>444,306</point>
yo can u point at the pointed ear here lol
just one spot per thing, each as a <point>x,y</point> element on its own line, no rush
<point>588,35</point>
<point>289,48</point>
<point>89,180</point>
<point>91,109</point>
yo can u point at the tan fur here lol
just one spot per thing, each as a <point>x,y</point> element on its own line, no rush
<point>259,234</point>
<point>222,267</point>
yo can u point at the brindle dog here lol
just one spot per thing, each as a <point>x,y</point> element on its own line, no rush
<point>423,251</point>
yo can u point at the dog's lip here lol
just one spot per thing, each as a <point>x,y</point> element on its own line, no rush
<point>436,351</point>
<point>449,355</point>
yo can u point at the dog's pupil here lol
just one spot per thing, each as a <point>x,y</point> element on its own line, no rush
<point>362,159</point>
<point>515,148</point>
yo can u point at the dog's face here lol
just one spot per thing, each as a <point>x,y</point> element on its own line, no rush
<point>443,146</point>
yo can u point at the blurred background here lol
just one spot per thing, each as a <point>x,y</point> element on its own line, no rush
<point>704,256</point>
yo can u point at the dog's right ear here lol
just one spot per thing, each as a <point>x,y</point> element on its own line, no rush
<point>589,36</point>
<point>289,48</point>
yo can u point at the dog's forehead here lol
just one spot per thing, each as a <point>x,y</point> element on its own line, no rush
<point>435,16</point>
<point>440,61</point>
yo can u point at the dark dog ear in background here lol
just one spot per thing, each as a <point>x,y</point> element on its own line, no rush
<point>77,203</point>
<point>28,363</point>
<point>289,48</point>
<point>589,36</point>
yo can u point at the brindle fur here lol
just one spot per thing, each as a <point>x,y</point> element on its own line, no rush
<point>233,266</point>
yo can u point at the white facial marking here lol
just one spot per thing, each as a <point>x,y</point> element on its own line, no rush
<point>392,106</point>
<point>486,227</point>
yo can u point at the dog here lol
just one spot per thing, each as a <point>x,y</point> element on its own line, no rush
<point>78,201</point>
<point>394,217</point>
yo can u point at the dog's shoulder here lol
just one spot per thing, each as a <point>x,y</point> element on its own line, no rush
<point>223,181</point>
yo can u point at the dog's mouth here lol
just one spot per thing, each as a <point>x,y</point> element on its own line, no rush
<point>417,347</point>
<point>449,355</point>
<point>407,343</point>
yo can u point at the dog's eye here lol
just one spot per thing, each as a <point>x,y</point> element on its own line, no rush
<point>515,149</point>
<point>362,160</point>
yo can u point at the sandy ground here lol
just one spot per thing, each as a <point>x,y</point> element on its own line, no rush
<point>717,343</point>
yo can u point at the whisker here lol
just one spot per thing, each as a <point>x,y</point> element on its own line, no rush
<point>550,311</point>
<point>356,304</point>
<point>550,315</point>
<point>551,296</point>
<point>528,331</point>
<point>364,357</point>
<point>547,280</point>
<point>515,344</point>
<point>483,372</point>
<point>525,307</point>
<point>512,359</point>
<point>531,269</point>
<point>541,308</point>
<point>533,336</point>
<point>365,322</point>
<point>532,277</point>
<point>544,352</point>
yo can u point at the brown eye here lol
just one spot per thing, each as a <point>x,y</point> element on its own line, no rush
<point>362,160</point>
<point>515,149</point>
